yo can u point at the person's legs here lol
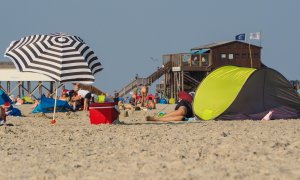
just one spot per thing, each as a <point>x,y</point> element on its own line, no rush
<point>86,104</point>
<point>74,104</point>
<point>166,119</point>
<point>179,112</point>
<point>177,115</point>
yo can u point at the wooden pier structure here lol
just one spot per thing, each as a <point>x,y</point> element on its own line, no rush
<point>26,83</point>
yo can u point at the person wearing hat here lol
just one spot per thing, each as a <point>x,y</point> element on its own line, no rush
<point>183,110</point>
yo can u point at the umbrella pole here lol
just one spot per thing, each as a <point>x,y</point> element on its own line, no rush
<point>53,120</point>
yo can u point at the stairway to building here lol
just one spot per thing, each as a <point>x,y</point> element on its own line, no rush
<point>133,85</point>
<point>191,82</point>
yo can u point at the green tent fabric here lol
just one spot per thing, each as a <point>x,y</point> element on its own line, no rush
<point>231,92</point>
<point>218,90</point>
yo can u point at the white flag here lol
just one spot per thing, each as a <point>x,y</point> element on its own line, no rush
<point>255,35</point>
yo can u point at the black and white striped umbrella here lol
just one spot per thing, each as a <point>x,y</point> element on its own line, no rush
<point>60,56</point>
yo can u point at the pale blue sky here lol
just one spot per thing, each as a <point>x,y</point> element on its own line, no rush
<point>127,34</point>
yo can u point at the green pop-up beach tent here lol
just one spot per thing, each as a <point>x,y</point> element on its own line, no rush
<point>231,92</point>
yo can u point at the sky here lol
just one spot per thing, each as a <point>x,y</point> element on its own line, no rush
<point>130,37</point>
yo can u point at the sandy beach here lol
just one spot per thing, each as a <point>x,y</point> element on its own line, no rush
<point>32,148</point>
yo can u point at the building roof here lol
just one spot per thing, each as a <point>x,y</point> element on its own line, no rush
<point>7,65</point>
<point>8,72</point>
<point>212,45</point>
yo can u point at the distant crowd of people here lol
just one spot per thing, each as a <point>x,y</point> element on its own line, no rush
<point>80,99</point>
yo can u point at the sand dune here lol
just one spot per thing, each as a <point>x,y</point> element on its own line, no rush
<point>32,148</point>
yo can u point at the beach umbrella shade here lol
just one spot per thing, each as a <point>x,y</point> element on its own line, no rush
<point>63,57</point>
<point>4,98</point>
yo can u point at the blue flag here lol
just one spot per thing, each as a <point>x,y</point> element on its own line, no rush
<point>240,37</point>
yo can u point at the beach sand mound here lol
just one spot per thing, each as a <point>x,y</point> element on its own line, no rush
<point>33,148</point>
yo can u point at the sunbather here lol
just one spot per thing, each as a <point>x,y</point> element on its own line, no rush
<point>183,110</point>
<point>64,96</point>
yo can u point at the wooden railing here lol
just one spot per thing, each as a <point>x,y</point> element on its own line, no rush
<point>187,60</point>
<point>145,81</point>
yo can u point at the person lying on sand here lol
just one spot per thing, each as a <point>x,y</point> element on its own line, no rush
<point>183,110</point>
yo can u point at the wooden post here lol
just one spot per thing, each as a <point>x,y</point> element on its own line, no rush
<point>19,89</point>
<point>40,88</point>
<point>29,87</point>
<point>51,87</point>
<point>8,87</point>
<point>182,80</point>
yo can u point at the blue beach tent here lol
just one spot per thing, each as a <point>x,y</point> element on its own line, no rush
<point>46,105</point>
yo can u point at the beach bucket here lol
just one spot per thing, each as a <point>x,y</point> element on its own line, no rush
<point>101,98</point>
<point>172,101</point>
<point>103,113</point>
<point>163,101</point>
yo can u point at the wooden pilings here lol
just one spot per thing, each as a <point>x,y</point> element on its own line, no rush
<point>22,88</point>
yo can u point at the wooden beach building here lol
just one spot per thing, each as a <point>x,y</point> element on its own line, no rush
<point>189,69</point>
<point>184,71</point>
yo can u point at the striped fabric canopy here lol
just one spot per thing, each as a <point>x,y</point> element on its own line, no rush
<point>60,56</point>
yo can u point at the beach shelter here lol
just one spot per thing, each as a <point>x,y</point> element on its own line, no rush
<point>63,57</point>
<point>46,105</point>
<point>231,92</point>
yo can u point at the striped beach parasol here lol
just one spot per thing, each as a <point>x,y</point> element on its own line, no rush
<point>60,56</point>
<point>63,57</point>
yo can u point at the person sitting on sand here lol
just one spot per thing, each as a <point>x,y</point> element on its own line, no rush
<point>64,96</point>
<point>122,106</point>
<point>183,110</point>
<point>132,99</point>
<point>151,104</point>
<point>76,101</point>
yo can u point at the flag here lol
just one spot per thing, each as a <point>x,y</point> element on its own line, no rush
<point>240,37</point>
<point>255,35</point>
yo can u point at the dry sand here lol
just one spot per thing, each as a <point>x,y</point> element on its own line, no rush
<point>32,148</point>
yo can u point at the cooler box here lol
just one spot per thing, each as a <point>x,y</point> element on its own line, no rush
<point>103,113</point>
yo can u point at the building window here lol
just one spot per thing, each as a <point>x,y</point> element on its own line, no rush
<point>230,56</point>
<point>223,56</point>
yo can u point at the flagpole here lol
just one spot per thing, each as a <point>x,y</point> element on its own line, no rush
<point>260,43</point>
<point>250,53</point>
